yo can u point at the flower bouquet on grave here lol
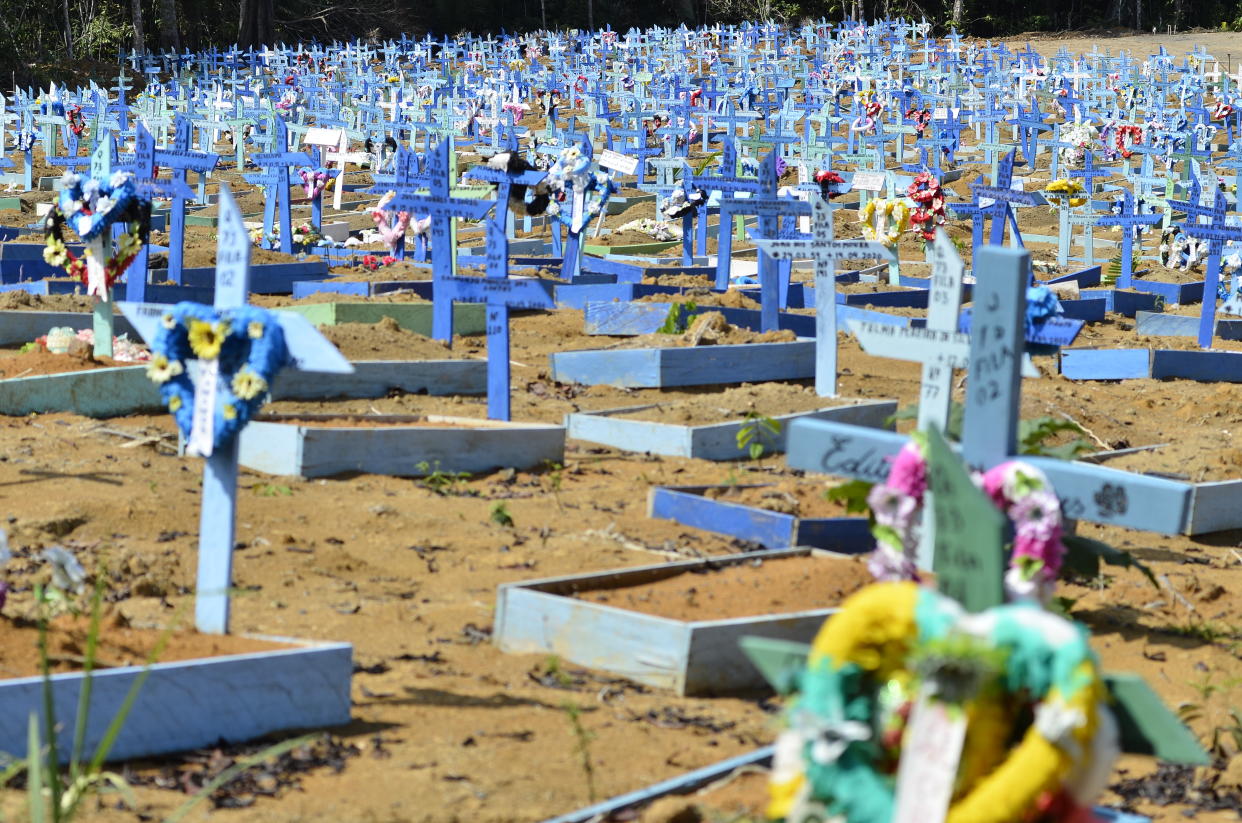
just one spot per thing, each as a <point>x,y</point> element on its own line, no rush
<point>883,220</point>
<point>239,352</point>
<point>928,197</point>
<point>1064,191</point>
<point>1080,136</point>
<point>91,207</point>
<point>64,340</point>
<point>307,235</point>
<point>314,181</point>
<point>831,184</point>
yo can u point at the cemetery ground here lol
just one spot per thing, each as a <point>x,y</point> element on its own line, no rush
<point>447,727</point>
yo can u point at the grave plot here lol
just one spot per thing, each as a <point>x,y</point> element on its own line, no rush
<point>725,427</point>
<point>676,626</point>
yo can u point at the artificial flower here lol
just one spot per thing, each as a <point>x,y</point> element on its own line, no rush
<point>248,384</point>
<point>206,338</point>
<point>162,369</point>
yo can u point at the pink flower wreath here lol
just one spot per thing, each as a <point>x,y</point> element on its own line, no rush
<point>1018,489</point>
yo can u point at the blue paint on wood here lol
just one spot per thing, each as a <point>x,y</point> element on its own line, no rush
<point>1204,366</point>
<point>1087,492</point>
<point>715,441</point>
<point>192,703</point>
<point>1173,293</point>
<point>1085,278</point>
<point>912,299</point>
<point>93,393</point>
<point>455,445</point>
<point>688,506</point>
<point>1106,364</point>
<point>268,278</point>
<point>17,327</point>
<point>1125,302</point>
<point>1089,311</point>
<point>685,366</point>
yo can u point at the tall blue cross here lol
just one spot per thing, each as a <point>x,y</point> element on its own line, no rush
<point>443,210</point>
<point>1001,210</point>
<point>1130,220</point>
<point>276,164</point>
<point>1217,232</point>
<point>308,350</point>
<point>825,251</point>
<point>501,295</point>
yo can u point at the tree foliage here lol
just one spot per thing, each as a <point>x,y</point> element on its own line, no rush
<point>40,34</point>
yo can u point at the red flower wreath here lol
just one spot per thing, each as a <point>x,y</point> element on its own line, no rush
<point>928,199</point>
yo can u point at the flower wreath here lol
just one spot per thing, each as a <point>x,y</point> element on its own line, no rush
<point>1015,672</point>
<point>1018,489</point>
<point>928,197</point>
<point>314,181</point>
<point>572,173</point>
<point>25,141</point>
<point>1221,110</point>
<point>866,120</point>
<point>248,345</point>
<point>77,123</point>
<point>884,220</point>
<point>91,207</point>
<point>1135,135</point>
<point>921,117</point>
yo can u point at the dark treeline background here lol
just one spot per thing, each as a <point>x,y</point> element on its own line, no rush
<point>45,38</point>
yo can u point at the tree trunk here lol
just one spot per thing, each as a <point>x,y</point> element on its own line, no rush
<point>68,30</point>
<point>170,30</point>
<point>135,8</point>
<point>255,24</point>
<point>957,13</point>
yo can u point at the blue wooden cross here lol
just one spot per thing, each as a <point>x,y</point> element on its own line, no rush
<point>825,251</point>
<point>180,157</point>
<point>1217,231</point>
<point>276,164</point>
<point>1029,123</point>
<point>309,352</point>
<point>993,396</point>
<point>1130,221</point>
<point>443,210</point>
<point>1001,210</point>
<point>1089,172</point>
<point>501,295</point>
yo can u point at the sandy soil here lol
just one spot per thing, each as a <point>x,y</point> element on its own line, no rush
<point>445,726</point>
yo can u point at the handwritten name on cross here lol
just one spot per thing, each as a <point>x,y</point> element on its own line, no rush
<point>825,251</point>
<point>1001,209</point>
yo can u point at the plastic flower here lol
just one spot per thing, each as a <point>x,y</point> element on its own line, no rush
<point>162,369</point>
<point>207,338</point>
<point>168,321</point>
<point>229,411</point>
<point>254,330</point>
<point>248,384</point>
<point>174,403</point>
<point>1038,514</point>
<point>891,507</point>
<point>67,572</point>
<point>908,473</point>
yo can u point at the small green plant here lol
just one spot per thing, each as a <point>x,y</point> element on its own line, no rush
<point>1033,434</point>
<point>582,739</point>
<point>28,347</point>
<point>1113,271</point>
<point>679,317</point>
<point>271,490</point>
<point>758,432</point>
<point>441,482</point>
<point>500,514</point>
<point>552,668</point>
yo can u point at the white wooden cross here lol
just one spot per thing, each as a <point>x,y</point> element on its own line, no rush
<point>825,251</point>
